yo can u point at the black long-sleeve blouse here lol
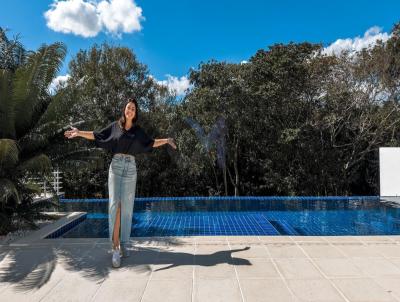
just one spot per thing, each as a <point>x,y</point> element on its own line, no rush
<point>114,139</point>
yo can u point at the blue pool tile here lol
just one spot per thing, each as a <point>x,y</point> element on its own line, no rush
<point>242,216</point>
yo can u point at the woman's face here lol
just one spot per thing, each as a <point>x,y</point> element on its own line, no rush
<point>130,111</point>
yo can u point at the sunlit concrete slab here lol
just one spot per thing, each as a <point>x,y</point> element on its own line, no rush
<point>224,268</point>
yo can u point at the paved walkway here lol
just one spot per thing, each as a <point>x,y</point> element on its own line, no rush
<point>205,269</point>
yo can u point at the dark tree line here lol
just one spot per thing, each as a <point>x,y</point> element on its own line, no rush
<point>291,121</point>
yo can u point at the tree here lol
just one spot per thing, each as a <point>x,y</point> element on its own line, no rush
<point>24,103</point>
<point>101,80</point>
<point>12,53</point>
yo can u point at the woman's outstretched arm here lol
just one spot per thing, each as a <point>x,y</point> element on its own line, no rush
<point>162,141</point>
<point>74,132</point>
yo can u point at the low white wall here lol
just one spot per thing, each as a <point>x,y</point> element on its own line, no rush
<point>389,171</point>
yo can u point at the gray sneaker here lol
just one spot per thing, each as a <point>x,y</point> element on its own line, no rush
<point>124,251</point>
<point>116,258</point>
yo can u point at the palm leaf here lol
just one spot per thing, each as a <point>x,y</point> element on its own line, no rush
<point>12,53</point>
<point>39,164</point>
<point>6,105</point>
<point>8,153</point>
<point>61,102</point>
<point>7,190</point>
<point>31,82</point>
<point>32,188</point>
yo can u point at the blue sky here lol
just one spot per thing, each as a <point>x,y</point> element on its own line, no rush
<point>177,35</point>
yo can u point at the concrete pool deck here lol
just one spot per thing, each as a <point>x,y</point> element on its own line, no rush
<point>217,268</point>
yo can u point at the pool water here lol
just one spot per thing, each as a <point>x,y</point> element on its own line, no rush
<point>244,216</point>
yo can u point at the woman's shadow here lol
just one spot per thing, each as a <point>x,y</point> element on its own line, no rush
<point>175,259</point>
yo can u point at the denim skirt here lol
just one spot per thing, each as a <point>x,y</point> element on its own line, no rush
<point>122,177</point>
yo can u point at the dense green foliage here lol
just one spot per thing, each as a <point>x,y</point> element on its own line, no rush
<point>291,121</point>
<point>25,128</point>
<point>297,122</point>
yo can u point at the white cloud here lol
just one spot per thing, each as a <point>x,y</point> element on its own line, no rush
<point>120,16</point>
<point>178,86</point>
<point>74,16</point>
<point>244,62</point>
<point>58,82</point>
<point>87,18</point>
<point>371,36</point>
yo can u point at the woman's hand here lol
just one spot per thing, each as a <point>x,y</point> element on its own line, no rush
<point>71,133</point>
<point>171,142</point>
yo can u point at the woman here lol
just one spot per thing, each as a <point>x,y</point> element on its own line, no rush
<point>124,138</point>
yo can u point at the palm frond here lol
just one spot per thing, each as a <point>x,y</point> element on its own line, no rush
<point>8,153</point>
<point>38,164</point>
<point>32,188</point>
<point>12,53</point>
<point>32,143</point>
<point>61,102</point>
<point>31,82</point>
<point>6,224</point>
<point>7,128</point>
<point>7,190</point>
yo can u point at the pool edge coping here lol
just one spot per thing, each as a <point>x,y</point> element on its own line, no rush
<point>42,233</point>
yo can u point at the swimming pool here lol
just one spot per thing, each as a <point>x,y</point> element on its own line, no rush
<point>304,216</point>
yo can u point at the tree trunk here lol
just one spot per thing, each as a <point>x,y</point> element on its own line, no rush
<point>225,182</point>
<point>235,165</point>
<point>215,173</point>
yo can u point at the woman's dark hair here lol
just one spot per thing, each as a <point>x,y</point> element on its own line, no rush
<point>122,119</point>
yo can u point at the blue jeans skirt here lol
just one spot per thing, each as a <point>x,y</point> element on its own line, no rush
<point>122,177</point>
